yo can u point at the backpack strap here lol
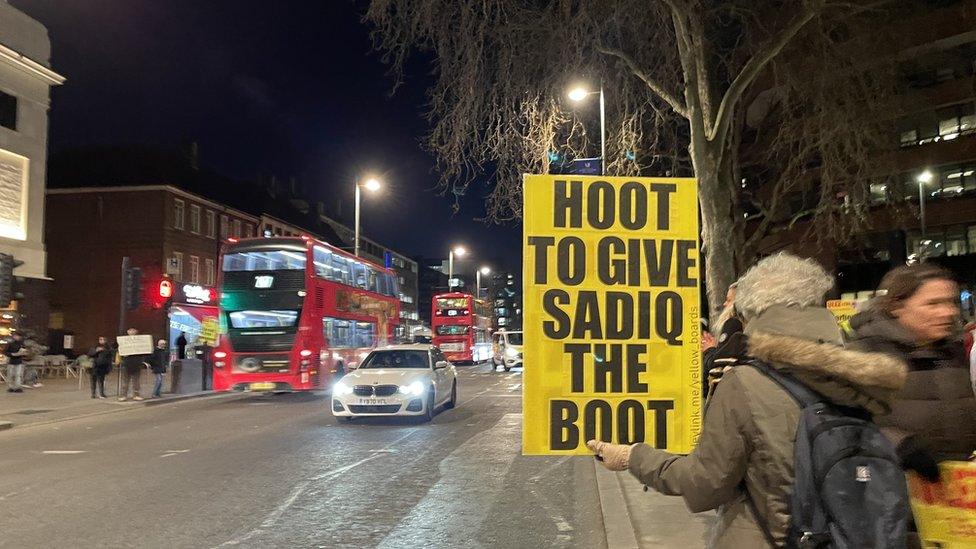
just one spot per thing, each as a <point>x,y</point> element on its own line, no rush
<point>803,395</point>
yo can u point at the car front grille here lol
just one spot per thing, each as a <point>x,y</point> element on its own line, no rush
<point>375,390</point>
<point>374,409</point>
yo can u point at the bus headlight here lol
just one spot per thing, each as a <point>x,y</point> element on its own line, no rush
<point>414,389</point>
<point>341,389</point>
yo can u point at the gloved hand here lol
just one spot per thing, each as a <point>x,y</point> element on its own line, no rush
<point>914,457</point>
<point>615,457</point>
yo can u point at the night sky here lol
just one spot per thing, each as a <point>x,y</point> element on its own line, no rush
<point>284,87</point>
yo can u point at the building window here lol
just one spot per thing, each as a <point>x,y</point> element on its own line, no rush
<point>8,111</point>
<point>208,272</point>
<point>179,212</point>
<point>237,228</point>
<point>248,230</point>
<point>178,275</point>
<point>194,269</point>
<point>194,219</point>
<point>224,227</point>
<point>211,224</point>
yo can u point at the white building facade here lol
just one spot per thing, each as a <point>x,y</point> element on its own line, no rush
<point>26,79</point>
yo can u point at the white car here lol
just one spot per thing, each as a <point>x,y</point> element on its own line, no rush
<point>398,380</point>
<point>507,350</point>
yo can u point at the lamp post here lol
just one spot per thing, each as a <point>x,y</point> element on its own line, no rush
<point>477,276</point>
<point>458,251</point>
<point>923,178</point>
<point>580,93</point>
<point>371,185</point>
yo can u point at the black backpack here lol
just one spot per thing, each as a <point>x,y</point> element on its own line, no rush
<point>849,489</point>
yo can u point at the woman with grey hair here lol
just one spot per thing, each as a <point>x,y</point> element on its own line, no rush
<point>743,463</point>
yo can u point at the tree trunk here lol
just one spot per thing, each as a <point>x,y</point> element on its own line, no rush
<point>719,235</point>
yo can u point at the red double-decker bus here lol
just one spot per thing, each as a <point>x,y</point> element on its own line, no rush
<point>461,327</point>
<point>294,311</point>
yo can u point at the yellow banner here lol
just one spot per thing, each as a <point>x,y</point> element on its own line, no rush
<point>843,310</point>
<point>611,309</point>
<point>945,512</point>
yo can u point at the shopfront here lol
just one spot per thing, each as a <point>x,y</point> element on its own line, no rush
<point>193,312</point>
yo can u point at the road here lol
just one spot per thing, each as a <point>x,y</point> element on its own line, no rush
<point>279,471</point>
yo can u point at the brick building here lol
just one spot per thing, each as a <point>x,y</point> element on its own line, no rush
<point>162,229</point>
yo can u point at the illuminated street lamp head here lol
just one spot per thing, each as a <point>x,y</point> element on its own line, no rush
<point>459,251</point>
<point>578,93</point>
<point>925,177</point>
<point>485,270</point>
<point>372,184</point>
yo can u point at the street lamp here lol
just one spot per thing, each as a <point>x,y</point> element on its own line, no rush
<point>580,93</point>
<point>457,251</point>
<point>923,179</point>
<point>372,185</point>
<point>481,271</point>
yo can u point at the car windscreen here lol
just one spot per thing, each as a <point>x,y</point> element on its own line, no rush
<point>514,338</point>
<point>263,319</point>
<point>452,330</point>
<point>396,359</point>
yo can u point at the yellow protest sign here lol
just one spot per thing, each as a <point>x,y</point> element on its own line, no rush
<point>611,308</point>
<point>945,512</point>
<point>843,310</point>
<point>208,330</point>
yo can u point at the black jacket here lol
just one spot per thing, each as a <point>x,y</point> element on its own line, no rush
<point>936,405</point>
<point>13,348</point>
<point>102,359</point>
<point>159,361</point>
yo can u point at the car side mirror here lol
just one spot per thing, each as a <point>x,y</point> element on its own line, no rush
<point>440,364</point>
<point>353,365</point>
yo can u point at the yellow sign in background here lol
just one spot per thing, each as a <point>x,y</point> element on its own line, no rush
<point>945,512</point>
<point>611,313</point>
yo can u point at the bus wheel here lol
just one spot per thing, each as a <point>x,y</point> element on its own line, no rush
<point>429,415</point>
<point>453,402</point>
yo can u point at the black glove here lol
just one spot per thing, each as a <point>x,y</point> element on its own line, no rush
<point>915,458</point>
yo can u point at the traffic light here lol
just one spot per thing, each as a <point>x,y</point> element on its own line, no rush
<point>132,288</point>
<point>7,291</point>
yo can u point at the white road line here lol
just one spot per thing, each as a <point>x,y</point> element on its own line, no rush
<point>63,452</point>
<point>168,455</point>
<point>300,488</point>
<point>177,451</point>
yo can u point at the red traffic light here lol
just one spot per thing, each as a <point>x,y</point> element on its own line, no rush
<point>165,289</point>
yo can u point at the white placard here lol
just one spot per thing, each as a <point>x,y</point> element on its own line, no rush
<point>135,345</point>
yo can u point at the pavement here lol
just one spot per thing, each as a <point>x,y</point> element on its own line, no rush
<point>61,399</point>
<point>258,470</point>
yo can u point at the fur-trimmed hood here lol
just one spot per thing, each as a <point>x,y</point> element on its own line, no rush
<point>805,342</point>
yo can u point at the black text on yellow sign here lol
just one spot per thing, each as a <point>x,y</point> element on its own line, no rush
<point>611,306</point>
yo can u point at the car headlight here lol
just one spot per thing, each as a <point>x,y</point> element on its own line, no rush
<point>511,352</point>
<point>415,389</point>
<point>340,389</point>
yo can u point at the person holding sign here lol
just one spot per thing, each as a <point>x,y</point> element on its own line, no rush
<point>133,362</point>
<point>743,463</point>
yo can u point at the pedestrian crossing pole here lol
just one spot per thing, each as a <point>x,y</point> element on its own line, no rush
<point>122,311</point>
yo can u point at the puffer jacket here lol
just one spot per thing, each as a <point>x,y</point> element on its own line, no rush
<point>745,450</point>
<point>937,405</point>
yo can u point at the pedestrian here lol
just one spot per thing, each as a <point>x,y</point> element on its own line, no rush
<point>181,346</point>
<point>159,363</point>
<point>918,319</point>
<point>101,355</point>
<point>729,347</point>
<point>132,366</point>
<point>743,464</point>
<point>15,363</point>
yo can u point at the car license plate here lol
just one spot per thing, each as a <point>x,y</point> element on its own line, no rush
<point>262,386</point>
<point>373,401</point>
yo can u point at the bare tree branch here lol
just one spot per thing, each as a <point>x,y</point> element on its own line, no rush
<point>654,86</point>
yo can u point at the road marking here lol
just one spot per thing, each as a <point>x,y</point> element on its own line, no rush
<point>63,452</point>
<point>300,488</point>
<point>168,455</point>
<point>177,451</point>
